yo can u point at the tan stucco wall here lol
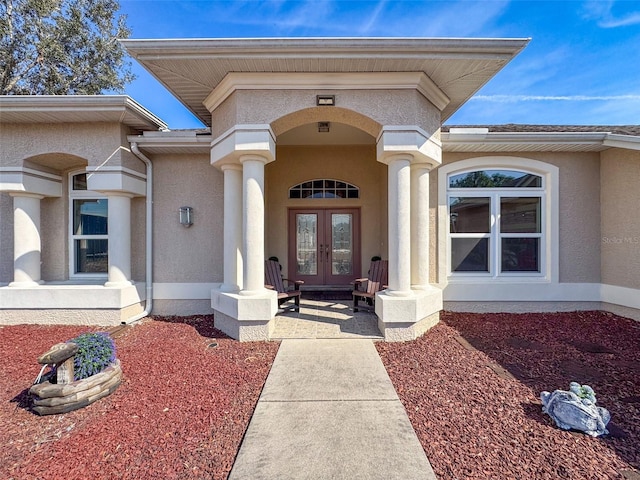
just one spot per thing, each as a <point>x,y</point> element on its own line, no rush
<point>97,143</point>
<point>353,164</point>
<point>54,234</point>
<point>138,232</point>
<point>193,254</point>
<point>579,221</point>
<point>6,238</point>
<point>382,107</point>
<point>620,200</point>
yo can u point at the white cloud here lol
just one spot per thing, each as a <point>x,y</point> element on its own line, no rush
<point>370,24</point>
<point>601,11</point>
<point>554,98</point>
<point>450,19</point>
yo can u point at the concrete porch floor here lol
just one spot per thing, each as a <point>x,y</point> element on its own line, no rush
<point>326,319</point>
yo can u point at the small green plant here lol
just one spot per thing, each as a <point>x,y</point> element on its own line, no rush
<point>95,352</point>
<point>584,392</point>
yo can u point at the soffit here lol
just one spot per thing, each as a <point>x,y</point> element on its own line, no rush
<point>77,109</point>
<point>191,68</point>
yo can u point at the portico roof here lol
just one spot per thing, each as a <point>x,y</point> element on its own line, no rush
<point>191,68</point>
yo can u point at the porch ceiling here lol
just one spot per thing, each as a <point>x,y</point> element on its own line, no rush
<point>191,68</point>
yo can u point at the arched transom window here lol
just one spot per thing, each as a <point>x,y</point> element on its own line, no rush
<point>496,222</point>
<point>324,188</point>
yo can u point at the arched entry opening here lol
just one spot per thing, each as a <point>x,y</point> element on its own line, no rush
<point>325,198</point>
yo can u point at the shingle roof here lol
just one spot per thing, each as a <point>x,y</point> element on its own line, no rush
<point>525,128</point>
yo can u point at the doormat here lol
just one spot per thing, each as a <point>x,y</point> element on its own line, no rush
<point>327,295</point>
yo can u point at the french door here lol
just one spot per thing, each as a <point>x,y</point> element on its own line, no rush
<point>324,245</point>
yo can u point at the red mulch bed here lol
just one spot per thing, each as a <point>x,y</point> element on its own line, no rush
<point>475,424</point>
<point>180,412</point>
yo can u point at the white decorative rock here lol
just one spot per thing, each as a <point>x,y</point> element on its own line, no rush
<point>570,412</point>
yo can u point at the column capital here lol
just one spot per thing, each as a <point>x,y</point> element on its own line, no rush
<point>396,157</point>
<point>116,193</point>
<point>422,166</point>
<point>409,140</point>
<point>231,166</point>
<point>253,157</point>
<point>27,195</point>
<point>242,140</point>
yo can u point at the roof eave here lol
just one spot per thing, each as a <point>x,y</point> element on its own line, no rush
<point>61,108</point>
<point>320,46</point>
<point>155,54</point>
<point>519,141</point>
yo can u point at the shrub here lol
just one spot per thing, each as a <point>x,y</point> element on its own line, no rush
<point>95,352</point>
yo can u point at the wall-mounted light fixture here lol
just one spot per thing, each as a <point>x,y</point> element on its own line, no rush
<point>323,127</point>
<point>186,216</point>
<point>325,100</point>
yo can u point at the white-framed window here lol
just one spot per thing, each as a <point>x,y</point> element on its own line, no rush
<point>89,235</point>
<point>500,219</point>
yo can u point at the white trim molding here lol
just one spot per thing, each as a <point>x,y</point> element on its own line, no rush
<point>550,227</point>
<point>28,180</point>
<point>69,295</point>
<point>530,294</point>
<point>116,179</point>
<point>419,81</point>
<point>623,296</point>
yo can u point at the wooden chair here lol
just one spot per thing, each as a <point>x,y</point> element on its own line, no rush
<point>376,280</point>
<point>274,281</point>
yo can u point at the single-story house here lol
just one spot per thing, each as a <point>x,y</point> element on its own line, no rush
<point>323,153</point>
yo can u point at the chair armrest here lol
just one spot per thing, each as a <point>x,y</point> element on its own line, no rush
<point>269,287</point>
<point>358,282</point>
<point>296,283</point>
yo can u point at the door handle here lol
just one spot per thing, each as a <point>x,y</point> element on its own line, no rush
<point>320,250</point>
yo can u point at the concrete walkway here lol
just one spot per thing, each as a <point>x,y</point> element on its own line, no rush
<point>328,410</point>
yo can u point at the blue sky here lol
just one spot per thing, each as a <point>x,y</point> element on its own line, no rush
<point>582,66</point>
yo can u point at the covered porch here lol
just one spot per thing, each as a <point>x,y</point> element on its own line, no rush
<point>383,102</point>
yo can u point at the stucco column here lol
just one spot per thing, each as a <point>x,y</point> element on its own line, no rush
<point>253,223</point>
<point>399,224</point>
<point>27,245</point>
<point>119,224</point>
<point>232,267</point>
<point>420,225</point>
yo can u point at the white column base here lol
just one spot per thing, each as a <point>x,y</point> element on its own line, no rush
<point>407,317</point>
<point>244,317</point>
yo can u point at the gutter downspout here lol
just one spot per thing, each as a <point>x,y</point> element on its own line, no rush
<point>148,236</point>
